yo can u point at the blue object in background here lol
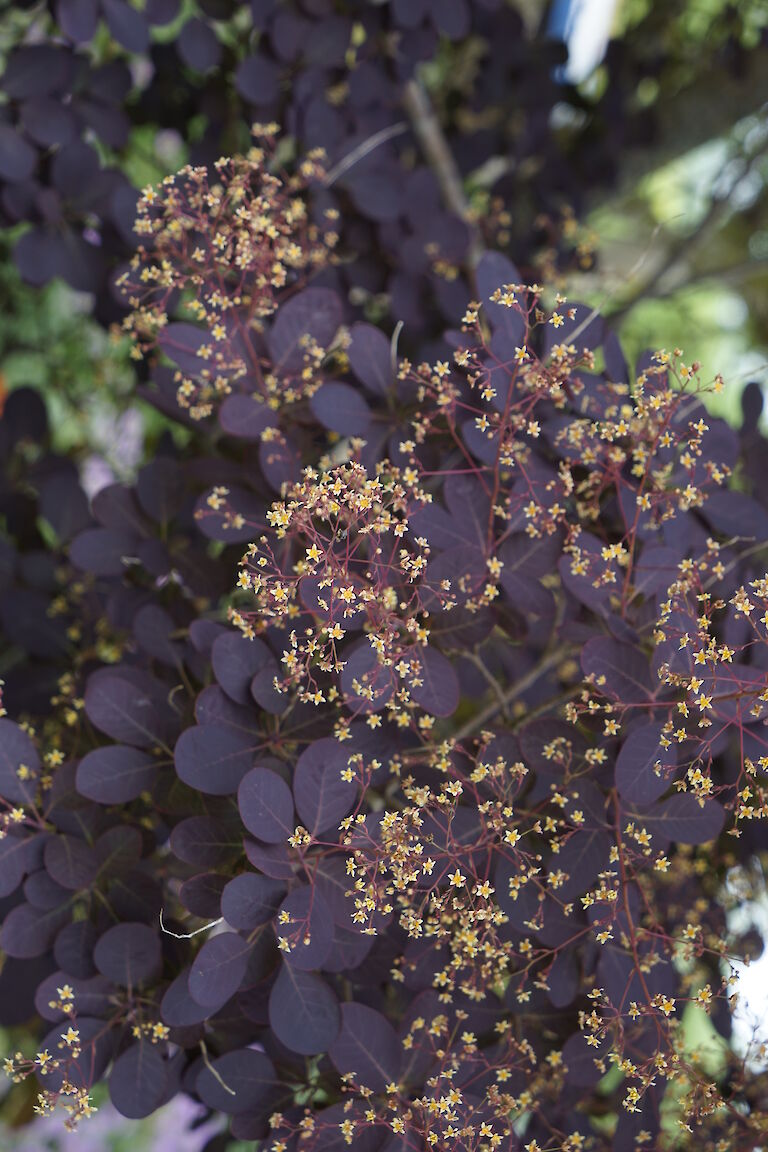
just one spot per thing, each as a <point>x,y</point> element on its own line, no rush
<point>585,27</point>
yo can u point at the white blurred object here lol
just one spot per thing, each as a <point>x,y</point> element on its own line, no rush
<point>118,440</point>
<point>750,1018</point>
<point>585,27</point>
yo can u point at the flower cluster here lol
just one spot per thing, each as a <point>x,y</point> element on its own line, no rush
<point>59,1066</point>
<point>415,735</point>
<point>220,251</point>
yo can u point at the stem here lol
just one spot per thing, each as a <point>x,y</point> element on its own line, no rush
<point>434,145</point>
<point>517,689</point>
<point>363,150</point>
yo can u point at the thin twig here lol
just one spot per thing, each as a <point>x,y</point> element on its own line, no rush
<point>188,935</point>
<point>393,347</point>
<point>364,150</point>
<point>434,145</point>
<point>512,693</point>
<point>490,680</point>
<point>216,1075</point>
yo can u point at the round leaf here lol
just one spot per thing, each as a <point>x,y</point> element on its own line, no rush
<point>308,930</point>
<point>323,797</point>
<point>17,753</point>
<point>266,805</point>
<point>637,777</point>
<point>249,1075</point>
<point>129,954</point>
<point>367,1047</point>
<point>303,1012</point>
<point>218,970</point>
<point>250,900</point>
<point>341,408</point>
<point>370,358</point>
<point>246,417</point>
<point>115,775</point>
<point>138,1081</point>
<point>435,687</point>
<point>213,759</point>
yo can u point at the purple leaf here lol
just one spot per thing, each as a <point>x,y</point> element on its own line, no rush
<point>264,692</point>
<point>685,819</point>
<point>73,950</point>
<point>129,706</point>
<point>197,45</point>
<point>636,777</point>
<point>366,684</point>
<point>103,551</point>
<point>625,669</point>
<point>18,159</point>
<point>213,759</point>
<point>17,753</point>
<point>177,1008</point>
<point>19,854</point>
<point>257,79</point>
<point>139,1080</point>
<point>160,489</point>
<point>469,505</point>
<point>201,895</point>
<point>322,797</point>
<point>126,25</point>
<point>370,358</point>
<point>341,408</point>
<point>250,900</point>
<point>266,805</point>
<point>77,18</point>
<point>493,271</point>
<point>96,1045</point>
<point>280,461</point>
<point>93,996</point>
<point>246,417</point>
<point>206,842</point>
<point>115,775</point>
<point>249,1075</point>
<point>129,955</point>
<point>435,685</point>
<point>309,929</point>
<point>315,313</point>
<point>303,1012</point>
<point>29,932</point>
<point>464,568</point>
<point>37,70</point>
<point>152,629</point>
<point>70,862</point>
<point>236,660</point>
<point>440,528</point>
<point>275,860</point>
<point>221,526</point>
<point>367,1047</point>
<point>218,970</point>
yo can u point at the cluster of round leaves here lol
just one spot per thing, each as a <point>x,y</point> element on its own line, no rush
<point>428,852</point>
<point>84,79</point>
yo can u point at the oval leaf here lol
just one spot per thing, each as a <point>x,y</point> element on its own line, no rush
<point>642,767</point>
<point>129,954</point>
<point>115,775</point>
<point>303,1012</point>
<point>323,797</point>
<point>266,805</point>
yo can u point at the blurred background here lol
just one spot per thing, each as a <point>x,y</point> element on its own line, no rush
<point>629,168</point>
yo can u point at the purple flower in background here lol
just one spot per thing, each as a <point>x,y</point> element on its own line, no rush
<point>169,1130</point>
<point>119,440</point>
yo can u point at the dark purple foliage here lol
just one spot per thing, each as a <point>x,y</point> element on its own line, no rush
<point>370,853</point>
